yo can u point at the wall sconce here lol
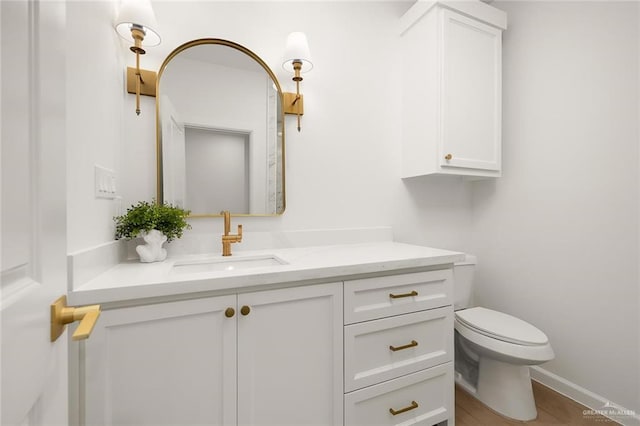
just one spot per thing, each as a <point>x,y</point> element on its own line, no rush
<point>297,58</point>
<point>136,22</point>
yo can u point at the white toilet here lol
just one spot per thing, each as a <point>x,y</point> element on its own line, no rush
<point>493,351</point>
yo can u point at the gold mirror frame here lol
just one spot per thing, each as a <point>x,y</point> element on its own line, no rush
<point>159,163</point>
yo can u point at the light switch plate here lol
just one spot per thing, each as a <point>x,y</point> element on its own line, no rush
<point>105,183</point>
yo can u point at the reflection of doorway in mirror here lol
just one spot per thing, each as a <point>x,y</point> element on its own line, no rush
<point>217,176</point>
<point>173,160</point>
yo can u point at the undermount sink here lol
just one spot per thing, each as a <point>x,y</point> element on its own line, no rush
<point>225,264</point>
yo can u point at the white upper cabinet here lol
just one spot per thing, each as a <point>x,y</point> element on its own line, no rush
<point>452,89</point>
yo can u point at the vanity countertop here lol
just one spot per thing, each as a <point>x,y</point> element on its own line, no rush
<point>307,265</point>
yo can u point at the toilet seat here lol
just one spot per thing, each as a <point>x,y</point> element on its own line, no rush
<point>500,326</point>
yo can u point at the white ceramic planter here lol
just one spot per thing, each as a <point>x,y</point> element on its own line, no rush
<point>152,251</point>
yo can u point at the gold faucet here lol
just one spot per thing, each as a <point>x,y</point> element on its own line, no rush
<point>228,239</point>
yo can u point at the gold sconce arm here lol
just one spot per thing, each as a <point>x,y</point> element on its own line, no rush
<point>139,81</point>
<point>61,315</point>
<point>138,36</point>
<point>137,23</point>
<point>293,102</point>
<point>297,57</point>
<point>142,80</point>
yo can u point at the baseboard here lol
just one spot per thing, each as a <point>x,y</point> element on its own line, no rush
<point>596,403</point>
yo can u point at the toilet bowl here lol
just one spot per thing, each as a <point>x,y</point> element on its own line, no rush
<point>494,352</point>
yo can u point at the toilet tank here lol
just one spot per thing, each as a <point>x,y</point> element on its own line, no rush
<point>463,273</point>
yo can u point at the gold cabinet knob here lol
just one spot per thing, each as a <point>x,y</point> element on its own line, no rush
<point>245,310</point>
<point>448,157</point>
<point>229,313</point>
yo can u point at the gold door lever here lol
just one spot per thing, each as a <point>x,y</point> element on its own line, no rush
<point>61,315</point>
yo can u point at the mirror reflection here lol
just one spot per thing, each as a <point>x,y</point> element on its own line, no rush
<point>220,131</point>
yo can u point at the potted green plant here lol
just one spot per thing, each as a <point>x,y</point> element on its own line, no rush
<point>155,223</point>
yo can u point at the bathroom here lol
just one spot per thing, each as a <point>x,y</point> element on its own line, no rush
<point>556,236</point>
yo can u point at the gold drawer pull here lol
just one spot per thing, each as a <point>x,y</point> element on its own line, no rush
<point>405,409</point>
<point>407,346</point>
<point>397,296</point>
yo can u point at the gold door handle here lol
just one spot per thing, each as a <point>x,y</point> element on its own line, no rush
<point>229,312</point>
<point>448,157</point>
<point>407,346</point>
<point>61,315</point>
<point>245,310</point>
<point>405,409</point>
<point>397,296</point>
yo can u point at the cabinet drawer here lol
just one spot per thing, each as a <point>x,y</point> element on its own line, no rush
<point>379,297</point>
<point>421,340</point>
<point>427,397</point>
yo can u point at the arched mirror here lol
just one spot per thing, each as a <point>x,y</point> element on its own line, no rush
<point>220,132</point>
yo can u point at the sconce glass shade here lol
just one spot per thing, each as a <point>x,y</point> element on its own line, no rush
<point>297,48</point>
<point>138,13</point>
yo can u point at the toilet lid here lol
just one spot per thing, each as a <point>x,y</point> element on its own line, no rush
<point>501,326</point>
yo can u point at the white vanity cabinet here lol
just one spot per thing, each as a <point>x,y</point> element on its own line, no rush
<point>452,89</point>
<point>399,349</point>
<point>276,359</point>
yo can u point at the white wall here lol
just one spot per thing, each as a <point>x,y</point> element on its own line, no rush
<point>95,95</point>
<point>343,168</point>
<point>557,235</point>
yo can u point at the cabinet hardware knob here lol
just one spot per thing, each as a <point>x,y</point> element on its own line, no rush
<point>398,296</point>
<point>405,409</point>
<point>407,346</point>
<point>245,310</point>
<point>448,157</point>
<point>229,313</point>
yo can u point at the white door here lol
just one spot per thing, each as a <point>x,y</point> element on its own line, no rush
<point>33,384</point>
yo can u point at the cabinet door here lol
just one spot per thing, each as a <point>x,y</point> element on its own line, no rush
<point>163,364</point>
<point>471,93</point>
<point>290,357</point>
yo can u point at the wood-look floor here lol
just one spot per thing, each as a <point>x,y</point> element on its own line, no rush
<point>553,409</point>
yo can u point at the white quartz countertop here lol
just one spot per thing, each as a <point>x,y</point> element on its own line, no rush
<point>134,280</point>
